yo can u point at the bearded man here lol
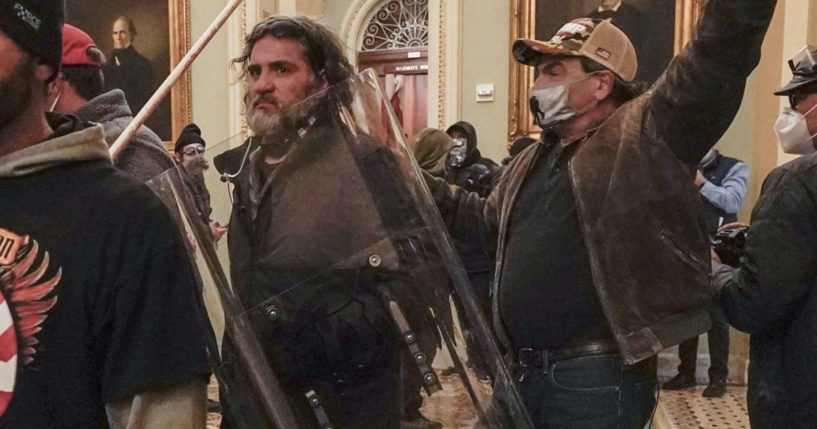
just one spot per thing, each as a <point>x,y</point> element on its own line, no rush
<point>305,206</point>
<point>98,308</point>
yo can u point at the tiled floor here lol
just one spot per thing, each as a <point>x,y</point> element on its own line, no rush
<point>449,406</point>
<point>679,409</point>
<point>687,409</point>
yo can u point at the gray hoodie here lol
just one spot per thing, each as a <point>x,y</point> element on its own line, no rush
<point>84,145</point>
<point>145,157</point>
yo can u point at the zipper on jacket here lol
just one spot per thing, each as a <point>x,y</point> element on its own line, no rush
<point>688,258</point>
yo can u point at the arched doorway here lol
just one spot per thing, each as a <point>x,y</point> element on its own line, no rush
<point>395,44</point>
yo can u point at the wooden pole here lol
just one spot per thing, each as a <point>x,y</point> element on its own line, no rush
<point>171,79</point>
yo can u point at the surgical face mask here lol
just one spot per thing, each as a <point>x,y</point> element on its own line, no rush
<point>549,103</point>
<point>792,132</point>
<point>457,154</point>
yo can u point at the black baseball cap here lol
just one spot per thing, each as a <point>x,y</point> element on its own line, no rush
<point>803,66</point>
<point>36,26</point>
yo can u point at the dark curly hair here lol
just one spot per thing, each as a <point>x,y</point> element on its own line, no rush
<point>321,49</point>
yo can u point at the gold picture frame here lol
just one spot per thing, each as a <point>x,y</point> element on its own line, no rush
<point>181,98</point>
<point>162,37</point>
<point>523,25</point>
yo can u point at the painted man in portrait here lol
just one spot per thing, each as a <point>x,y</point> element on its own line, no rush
<point>127,69</point>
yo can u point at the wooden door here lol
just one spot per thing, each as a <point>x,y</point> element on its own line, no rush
<point>403,75</point>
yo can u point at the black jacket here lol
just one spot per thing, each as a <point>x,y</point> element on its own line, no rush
<point>302,242</point>
<point>640,214</point>
<point>772,296</point>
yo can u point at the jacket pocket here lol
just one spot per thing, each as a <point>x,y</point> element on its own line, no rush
<point>670,241</point>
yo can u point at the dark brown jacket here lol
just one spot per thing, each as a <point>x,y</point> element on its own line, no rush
<point>640,214</point>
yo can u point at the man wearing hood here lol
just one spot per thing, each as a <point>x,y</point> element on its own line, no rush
<point>77,90</point>
<point>771,294</point>
<point>602,258</point>
<point>99,317</point>
<point>465,166</point>
<point>430,147</point>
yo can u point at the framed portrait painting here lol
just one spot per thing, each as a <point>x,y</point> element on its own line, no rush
<point>657,28</point>
<point>142,42</point>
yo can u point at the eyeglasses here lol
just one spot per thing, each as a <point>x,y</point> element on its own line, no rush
<point>192,151</point>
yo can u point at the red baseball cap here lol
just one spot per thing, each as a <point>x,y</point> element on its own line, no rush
<point>75,44</point>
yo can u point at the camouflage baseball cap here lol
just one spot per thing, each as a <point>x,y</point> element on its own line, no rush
<point>592,38</point>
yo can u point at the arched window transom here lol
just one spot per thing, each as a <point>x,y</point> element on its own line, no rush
<point>398,24</point>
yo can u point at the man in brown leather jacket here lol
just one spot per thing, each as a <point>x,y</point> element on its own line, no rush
<point>602,255</point>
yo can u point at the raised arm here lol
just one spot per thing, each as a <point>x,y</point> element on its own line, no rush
<point>696,99</point>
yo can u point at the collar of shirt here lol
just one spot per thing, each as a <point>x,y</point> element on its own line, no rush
<point>558,153</point>
<point>614,8</point>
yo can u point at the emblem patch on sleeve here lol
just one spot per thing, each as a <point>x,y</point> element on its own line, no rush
<point>27,297</point>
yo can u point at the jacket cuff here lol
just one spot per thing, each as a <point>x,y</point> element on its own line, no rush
<point>721,276</point>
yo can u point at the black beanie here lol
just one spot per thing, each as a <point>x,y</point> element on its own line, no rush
<point>190,134</point>
<point>36,26</point>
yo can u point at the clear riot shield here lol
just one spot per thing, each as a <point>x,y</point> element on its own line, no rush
<point>346,305</point>
<point>224,316</point>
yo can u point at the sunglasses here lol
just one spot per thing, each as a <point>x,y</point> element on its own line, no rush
<point>193,151</point>
<point>795,99</point>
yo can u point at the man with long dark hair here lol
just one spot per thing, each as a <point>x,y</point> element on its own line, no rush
<point>304,209</point>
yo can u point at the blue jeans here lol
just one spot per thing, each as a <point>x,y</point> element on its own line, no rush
<point>589,392</point>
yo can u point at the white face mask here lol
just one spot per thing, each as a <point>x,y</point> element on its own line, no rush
<point>792,132</point>
<point>457,154</point>
<point>549,103</point>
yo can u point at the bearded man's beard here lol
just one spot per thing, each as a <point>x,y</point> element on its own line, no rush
<point>278,130</point>
<point>15,91</point>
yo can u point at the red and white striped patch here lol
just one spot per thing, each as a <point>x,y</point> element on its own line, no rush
<point>8,355</point>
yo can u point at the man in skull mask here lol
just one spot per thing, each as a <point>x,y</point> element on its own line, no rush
<point>771,294</point>
<point>301,215</point>
<point>602,255</point>
<point>188,152</point>
<point>465,166</point>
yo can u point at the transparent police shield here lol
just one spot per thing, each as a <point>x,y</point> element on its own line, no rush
<point>225,318</point>
<point>345,305</point>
